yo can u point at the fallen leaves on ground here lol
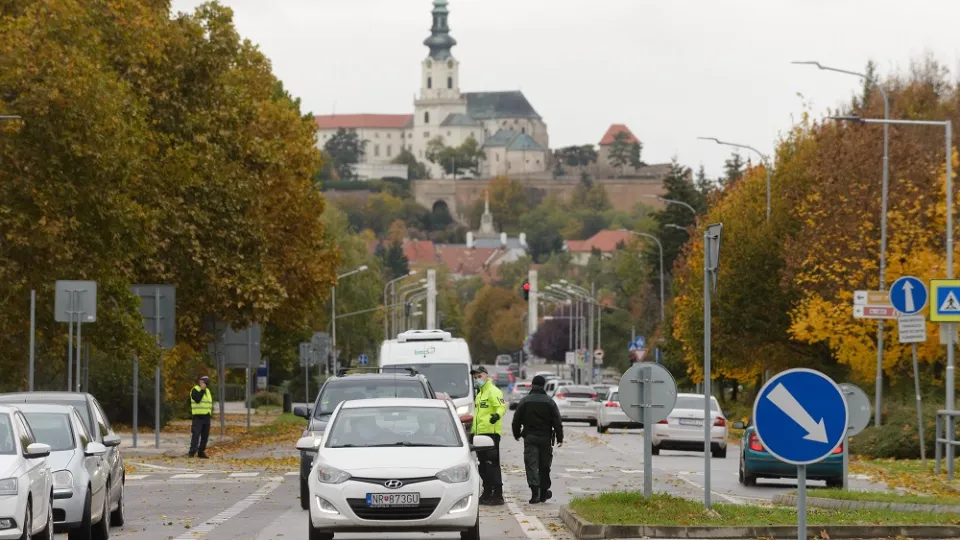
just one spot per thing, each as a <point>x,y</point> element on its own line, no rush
<point>908,475</point>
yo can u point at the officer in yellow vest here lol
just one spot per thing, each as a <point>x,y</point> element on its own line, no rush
<point>201,405</point>
<point>489,410</point>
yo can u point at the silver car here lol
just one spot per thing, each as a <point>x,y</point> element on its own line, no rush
<point>26,488</point>
<point>520,389</point>
<point>609,413</point>
<point>78,464</point>
<point>577,403</point>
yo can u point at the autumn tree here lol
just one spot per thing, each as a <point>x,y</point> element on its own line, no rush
<point>619,151</point>
<point>480,318</point>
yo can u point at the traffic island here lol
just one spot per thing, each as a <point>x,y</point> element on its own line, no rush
<point>872,500</point>
<point>630,515</point>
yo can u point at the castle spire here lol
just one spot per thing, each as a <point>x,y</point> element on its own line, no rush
<point>440,42</point>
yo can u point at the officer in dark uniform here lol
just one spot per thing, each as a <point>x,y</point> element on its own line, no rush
<point>537,420</point>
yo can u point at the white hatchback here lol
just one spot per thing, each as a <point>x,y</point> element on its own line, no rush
<point>683,429</point>
<point>394,465</point>
<point>26,484</point>
<point>610,415</point>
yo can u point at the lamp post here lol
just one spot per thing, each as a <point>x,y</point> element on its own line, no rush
<point>766,162</point>
<point>333,313</point>
<point>883,211</point>
<point>678,227</point>
<point>418,288</point>
<point>663,312</point>
<point>386,325</point>
<point>949,328</point>
<point>696,219</point>
<point>394,319</point>
<point>591,303</point>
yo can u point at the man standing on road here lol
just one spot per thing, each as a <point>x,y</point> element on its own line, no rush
<point>537,420</point>
<point>489,410</point>
<point>201,406</point>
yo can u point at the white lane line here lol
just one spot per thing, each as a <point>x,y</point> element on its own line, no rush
<point>204,528</point>
<point>158,467</point>
<point>581,470</point>
<point>136,476</point>
<point>531,526</point>
<point>294,473</point>
<point>631,471</point>
<point>243,474</point>
<point>185,476</point>
<point>728,498</point>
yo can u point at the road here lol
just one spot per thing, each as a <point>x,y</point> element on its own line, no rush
<point>206,502</point>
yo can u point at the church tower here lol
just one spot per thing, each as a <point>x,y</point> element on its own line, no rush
<point>439,95</point>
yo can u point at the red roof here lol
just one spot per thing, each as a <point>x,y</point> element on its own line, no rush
<point>605,241</point>
<point>358,121</point>
<point>420,252</point>
<point>612,131</point>
<point>466,261</point>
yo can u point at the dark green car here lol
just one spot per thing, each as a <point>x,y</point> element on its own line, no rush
<point>756,462</point>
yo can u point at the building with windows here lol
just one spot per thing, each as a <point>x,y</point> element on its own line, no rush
<point>511,133</point>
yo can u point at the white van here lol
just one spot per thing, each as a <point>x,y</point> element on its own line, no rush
<point>442,358</point>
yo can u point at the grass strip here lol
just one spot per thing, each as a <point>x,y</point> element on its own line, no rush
<point>631,508</point>
<point>908,474</point>
<point>882,496</point>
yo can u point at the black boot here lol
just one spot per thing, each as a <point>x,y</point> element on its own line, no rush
<point>545,495</point>
<point>203,455</point>
<point>534,494</point>
<point>496,497</point>
<point>485,496</point>
<point>192,454</point>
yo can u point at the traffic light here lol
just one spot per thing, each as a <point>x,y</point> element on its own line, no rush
<point>526,290</point>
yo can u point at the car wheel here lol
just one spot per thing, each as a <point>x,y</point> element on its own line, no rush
<point>744,477</point>
<point>304,494</point>
<point>592,422</point>
<point>719,452</point>
<point>655,449</point>
<point>47,532</point>
<point>317,534</point>
<point>101,531</point>
<point>84,530</point>
<point>835,482</point>
<point>116,517</point>
<point>602,428</point>
<point>473,533</point>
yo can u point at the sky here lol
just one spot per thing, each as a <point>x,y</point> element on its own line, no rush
<point>671,70</point>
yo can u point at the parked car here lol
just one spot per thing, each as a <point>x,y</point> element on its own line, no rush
<point>394,465</point>
<point>553,384</point>
<point>502,376</point>
<point>577,402</point>
<point>756,462</point>
<point>80,488</point>
<point>520,390</point>
<point>683,429</point>
<point>99,428</point>
<point>26,483</point>
<point>355,384</point>
<point>610,415</point>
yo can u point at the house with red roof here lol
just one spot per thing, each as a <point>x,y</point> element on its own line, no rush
<point>606,143</point>
<point>604,242</point>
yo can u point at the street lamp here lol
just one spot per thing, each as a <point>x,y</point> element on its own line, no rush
<point>663,315</point>
<point>883,208</point>
<point>678,227</point>
<point>386,329</point>
<point>333,312</point>
<point>950,328</point>
<point>394,319</point>
<point>766,162</point>
<point>696,219</point>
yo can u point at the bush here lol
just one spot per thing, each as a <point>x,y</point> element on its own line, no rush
<point>266,398</point>
<point>898,437</point>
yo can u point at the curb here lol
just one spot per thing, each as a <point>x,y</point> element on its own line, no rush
<point>842,504</point>
<point>585,530</point>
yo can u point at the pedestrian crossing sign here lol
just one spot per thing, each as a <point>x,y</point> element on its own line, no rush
<point>945,300</point>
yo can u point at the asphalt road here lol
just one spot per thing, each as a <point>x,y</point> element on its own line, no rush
<point>258,505</point>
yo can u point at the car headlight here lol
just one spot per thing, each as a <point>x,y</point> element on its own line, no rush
<point>9,486</point>
<point>463,409</point>
<point>455,475</point>
<point>331,475</point>
<point>62,479</point>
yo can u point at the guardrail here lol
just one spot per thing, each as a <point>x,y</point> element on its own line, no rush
<point>945,425</point>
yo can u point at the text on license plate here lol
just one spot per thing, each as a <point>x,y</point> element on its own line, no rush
<point>691,422</point>
<point>393,499</point>
<point>576,403</point>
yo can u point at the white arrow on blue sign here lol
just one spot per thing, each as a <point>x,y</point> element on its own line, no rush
<point>363,359</point>
<point>800,416</point>
<point>640,342</point>
<point>908,295</point>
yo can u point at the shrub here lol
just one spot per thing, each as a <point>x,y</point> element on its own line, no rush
<point>266,398</point>
<point>898,437</point>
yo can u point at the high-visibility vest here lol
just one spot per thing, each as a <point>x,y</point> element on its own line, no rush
<point>488,401</point>
<point>206,402</point>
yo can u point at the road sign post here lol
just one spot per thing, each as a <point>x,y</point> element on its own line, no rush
<point>648,393</point>
<point>158,309</point>
<point>363,359</point>
<point>858,411</point>
<point>598,356</point>
<point>785,416</point>
<point>75,301</point>
<point>909,296</point>
<point>711,266</point>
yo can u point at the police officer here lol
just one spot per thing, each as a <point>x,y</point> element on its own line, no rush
<point>537,420</point>
<point>489,410</point>
<point>201,406</point>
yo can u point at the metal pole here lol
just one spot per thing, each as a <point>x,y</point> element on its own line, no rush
<point>249,359</point>
<point>767,167</point>
<point>916,388</point>
<point>846,459</point>
<point>33,334</point>
<point>662,312</point>
<point>86,366</point>
<point>706,370</point>
<point>333,322</point>
<point>591,348</point>
<point>157,382</point>
<point>801,502</point>
<point>70,342</point>
<point>883,251</point>
<point>646,387</point>
<point>79,350</point>
<point>950,327</point>
<point>221,375</point>
<point>136,396</point>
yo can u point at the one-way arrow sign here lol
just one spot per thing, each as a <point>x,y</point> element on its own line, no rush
<point>784,400</point>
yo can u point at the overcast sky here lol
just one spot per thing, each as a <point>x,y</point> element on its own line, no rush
<point>671,70</point>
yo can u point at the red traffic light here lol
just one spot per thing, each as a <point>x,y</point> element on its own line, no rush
<point>526,285</point>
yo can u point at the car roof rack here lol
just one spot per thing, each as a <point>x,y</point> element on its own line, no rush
<point>380,369</point>
<point>424,335</point>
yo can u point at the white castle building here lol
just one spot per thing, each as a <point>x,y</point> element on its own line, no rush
<point>512,135</point>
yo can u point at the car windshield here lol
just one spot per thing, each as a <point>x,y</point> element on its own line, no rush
<point>367,427</point>
<point>338,391</point>
<point>54,429</point>
<point>451,379</point>
<point>615,396</point>
<point>7,446</point>
<point>80,404</point>
<point>695,402</point>
<point>577,391</point>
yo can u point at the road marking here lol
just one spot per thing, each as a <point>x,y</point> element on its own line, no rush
<point>531,526</point>
<point>185,476</point>
<point>204,528</point>
<point>136,476</point>
<point>573,476</point>
<point>730,499</point>
<point>631,471</point>
<point>580,470</point>
<point>243,474</point>
<point>158,467</point>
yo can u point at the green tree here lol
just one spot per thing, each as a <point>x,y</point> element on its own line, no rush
<point>415,169</point>
<point>346,149</point>
<point>733,169</point>
<point>480,317</point>
<point>619,155</point>
<point>704,185</point>
<point>395,261</point>
<point>455,160</point>
<point>635,151</point>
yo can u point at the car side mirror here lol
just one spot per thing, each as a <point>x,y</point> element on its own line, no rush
<point>111,440</point>
<point>309,443</point>
<point>739,425</point>
<point>94,449</point>
<point>481,442</point>
<point>301,411</point>
<point>37,450</point>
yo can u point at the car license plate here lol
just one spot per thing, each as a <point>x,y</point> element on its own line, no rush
<point>691,422</point>
<point>393,499</point>
<point>577,404</point>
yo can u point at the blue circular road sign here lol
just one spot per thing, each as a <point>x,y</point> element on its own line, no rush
<point>908,295</point>
<point>800,416</point>
<point>363,359</point>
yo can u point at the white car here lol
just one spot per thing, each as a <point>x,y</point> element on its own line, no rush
<point>577,403</point>
<point>26,484</point>
<point>683,429</point>
<point>80,470</point>
<point>553,384</point>
<point>394,465</point>
<point>610,415</point>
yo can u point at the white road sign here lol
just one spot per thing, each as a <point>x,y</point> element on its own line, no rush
<point>913,328</point>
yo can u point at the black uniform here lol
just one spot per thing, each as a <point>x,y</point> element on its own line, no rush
<point>537,420</point>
